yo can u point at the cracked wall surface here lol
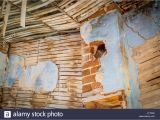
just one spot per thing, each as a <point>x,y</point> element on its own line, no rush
<point>121,34</point>
<point>145,24</point>
<point>106,29</point>
<point>36,88</point>
<point>41,77</point>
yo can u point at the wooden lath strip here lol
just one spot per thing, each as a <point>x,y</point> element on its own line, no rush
<point>31,14</point>
<point>23,12</point>
<point>61,10</point>
<point>34,17</point>
<point>47,25</point>
<point>40,6</point>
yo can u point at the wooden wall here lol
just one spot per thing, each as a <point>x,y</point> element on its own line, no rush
<point>148,58</point>
<point>65,52</point>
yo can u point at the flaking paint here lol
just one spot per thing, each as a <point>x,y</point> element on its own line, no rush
<point>119,69</point>
<point>41,77</point>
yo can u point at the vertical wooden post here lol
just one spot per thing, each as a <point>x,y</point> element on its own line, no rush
<point>3,7</point>
<point>6,18</point>
<point>23,13</point>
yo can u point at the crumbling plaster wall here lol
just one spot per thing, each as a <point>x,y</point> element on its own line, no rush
<point>42,77</point>
<point>36,59</point>
<point>14,70</point>
<point>121,34</point>
<point>106,29</point>
<point>138,27</point>
<point>3,64</point>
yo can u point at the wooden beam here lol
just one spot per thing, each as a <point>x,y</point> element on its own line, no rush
<point>23,12</point>
<point>48,26</point>
<point>3,7</point>
<point>27,12</point>
<point>14,4</point>
<point>6,18</point>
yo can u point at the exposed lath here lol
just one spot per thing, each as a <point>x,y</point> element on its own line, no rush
<point>52,17</point>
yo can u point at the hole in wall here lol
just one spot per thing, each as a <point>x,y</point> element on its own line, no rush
<point>99,49</point>
<point>92,71</point>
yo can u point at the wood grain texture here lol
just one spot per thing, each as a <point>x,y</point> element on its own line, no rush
<point>23,12</point>
<point>114,100</point>
<point>148,57</point>
<point>65,52</point>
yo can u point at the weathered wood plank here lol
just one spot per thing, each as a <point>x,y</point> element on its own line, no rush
<point>150,94</point>
<point>6,18</point>
<point>65,52</point>
<point>23,12</point>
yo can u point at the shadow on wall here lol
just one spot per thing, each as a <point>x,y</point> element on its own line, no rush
<point>41,77</point>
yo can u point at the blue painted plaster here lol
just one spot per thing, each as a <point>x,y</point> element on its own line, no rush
<point>42,77</point>
<point>106,29</point>
<point>101,28</point>
<point>15,70</point>
<point>3,63</point>
<point>145,23</point>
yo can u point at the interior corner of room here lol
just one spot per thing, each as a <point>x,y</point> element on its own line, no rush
<point>80,54</point>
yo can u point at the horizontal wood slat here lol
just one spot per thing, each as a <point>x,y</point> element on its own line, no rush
<point>148,57</point>
<point>65,51</point>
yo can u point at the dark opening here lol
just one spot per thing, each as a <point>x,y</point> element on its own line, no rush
<point>101,50</point>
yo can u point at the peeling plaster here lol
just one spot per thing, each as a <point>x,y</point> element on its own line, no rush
<point>118,68</point>
<point>3,64</point>
<point>106,29</point>
<point>41,77</point>
<point>146,23</point>
<point>99,76</point>
<point>14,70</point>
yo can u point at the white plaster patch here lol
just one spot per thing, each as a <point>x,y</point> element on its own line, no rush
<point>99,76</point>
<point>42,77</point>
<point>14,70</point>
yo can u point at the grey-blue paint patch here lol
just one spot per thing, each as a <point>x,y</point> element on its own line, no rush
<point>3,62</point>
<point>146,23</point>
<point>106,29</point>
<point>41,77</point>
<point>15,70</point>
